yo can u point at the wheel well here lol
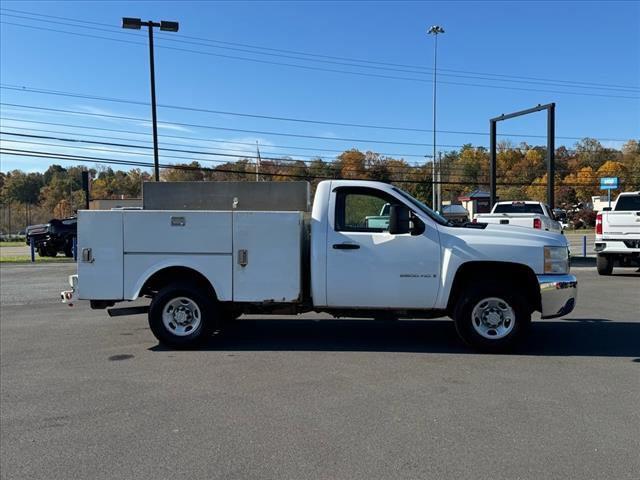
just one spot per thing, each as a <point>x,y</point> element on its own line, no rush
<point>513,274</point>
<point>168,275</point>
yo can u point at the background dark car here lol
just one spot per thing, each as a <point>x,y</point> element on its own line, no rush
<point>51,238</point>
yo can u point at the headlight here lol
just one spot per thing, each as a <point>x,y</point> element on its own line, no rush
<point>556,260</point>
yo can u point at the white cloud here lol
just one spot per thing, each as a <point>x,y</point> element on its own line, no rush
<point>171,126</point>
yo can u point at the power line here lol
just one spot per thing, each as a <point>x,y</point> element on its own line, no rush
<point>308,54</point>
<point>446,169</point>
<point>307,67</point>
<point>477,180</point>
<point>19,88</point>
<point>200,139</point>
<point>137,119</point>
<point>238,152</point>
<point>397,169</point>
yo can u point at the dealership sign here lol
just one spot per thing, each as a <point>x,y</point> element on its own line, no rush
<point>608,183</point>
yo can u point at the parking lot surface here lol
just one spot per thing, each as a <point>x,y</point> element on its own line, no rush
<point>88,396</point>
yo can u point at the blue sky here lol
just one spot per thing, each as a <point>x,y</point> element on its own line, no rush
<point>557,49</point>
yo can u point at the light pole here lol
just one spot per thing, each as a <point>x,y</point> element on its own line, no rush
<point>137,24</point>
<point>435,31</point>
<point>433,176</point>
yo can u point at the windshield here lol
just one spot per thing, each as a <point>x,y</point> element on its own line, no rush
<point>423,208</point>
<point>628,203</point>
<point>518,207</point>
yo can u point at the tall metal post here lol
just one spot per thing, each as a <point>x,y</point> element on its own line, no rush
<point>492,163</point>
<point>154,117</point>
<point>433,182</point>
<point>85,188</point>
<point>551,154</point>
<point>137,24</point>
<point>435,31</point>
<point>258,160</point>
<point>551,147</point>
<point>439,209</point>
<point>435,66</point>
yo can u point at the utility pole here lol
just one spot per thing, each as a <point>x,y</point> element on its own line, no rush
<point>137,24</point>
<point>433,178</point>
<point>258,160</point>
<point>435,30</point>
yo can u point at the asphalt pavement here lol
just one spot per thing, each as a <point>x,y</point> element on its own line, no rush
<point>86,396</point>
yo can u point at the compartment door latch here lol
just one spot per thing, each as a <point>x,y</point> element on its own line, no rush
<point>243,258</point>
<point>87,255</point>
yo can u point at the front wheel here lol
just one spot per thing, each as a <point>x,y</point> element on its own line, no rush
<point>491,319</point>
<point>604,264</point>
<point>182,316</point>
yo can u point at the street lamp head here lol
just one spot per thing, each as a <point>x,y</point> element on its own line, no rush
<point>131,23</point>
<point>435,30</point>
<point>169,26</point>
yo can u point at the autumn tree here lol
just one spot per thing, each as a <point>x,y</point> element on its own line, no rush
<point>613,169</point>
<point>583,182</point>
<point>631,161</point>
<point>353,164</point>
<point>183,172</point>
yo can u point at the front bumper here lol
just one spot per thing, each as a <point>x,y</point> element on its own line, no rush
<point>557,294</point>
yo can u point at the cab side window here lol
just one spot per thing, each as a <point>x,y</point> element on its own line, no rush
<point>362,210</point>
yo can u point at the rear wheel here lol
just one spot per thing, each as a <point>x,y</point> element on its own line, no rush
<point>491,319</point>
<point>183,316</point>
<point>604,264</point>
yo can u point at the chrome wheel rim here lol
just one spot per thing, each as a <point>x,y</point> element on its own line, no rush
<point>493,318</point>
<point>181,316</point>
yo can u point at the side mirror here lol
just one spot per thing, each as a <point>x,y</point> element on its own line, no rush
<point>399,220</point>
<point>606,209</point>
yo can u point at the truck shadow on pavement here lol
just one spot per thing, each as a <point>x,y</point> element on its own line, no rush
<point>573,337</point>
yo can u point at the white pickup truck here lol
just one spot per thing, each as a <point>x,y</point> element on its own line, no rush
<point>200,268</point>
<point>618,234</point>
<point>523,214</point>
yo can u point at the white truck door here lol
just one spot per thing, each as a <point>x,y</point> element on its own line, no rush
<point>100,257</point>
<point>369,267</point>
<point>268,256</point>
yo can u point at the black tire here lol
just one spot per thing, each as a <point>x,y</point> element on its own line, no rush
<point>42,252</point>
<point>208,316</point>
<point>463,317</point>
<point>68,250</point>
<point>604,264</point>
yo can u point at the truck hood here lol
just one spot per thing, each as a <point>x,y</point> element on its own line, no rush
<point>515,232</point>
<point>502,243</point>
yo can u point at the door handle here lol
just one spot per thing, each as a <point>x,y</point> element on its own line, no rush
<point>346,246</point>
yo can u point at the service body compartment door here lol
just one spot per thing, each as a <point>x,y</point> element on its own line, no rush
<point>199,240</point>
<point>267,256</point>
<point>200,232</point>
<point>100,255</point>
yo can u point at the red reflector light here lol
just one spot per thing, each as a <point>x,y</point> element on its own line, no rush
<point>475,220</point>
<point>599,224</point>
<point>537,223</point>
